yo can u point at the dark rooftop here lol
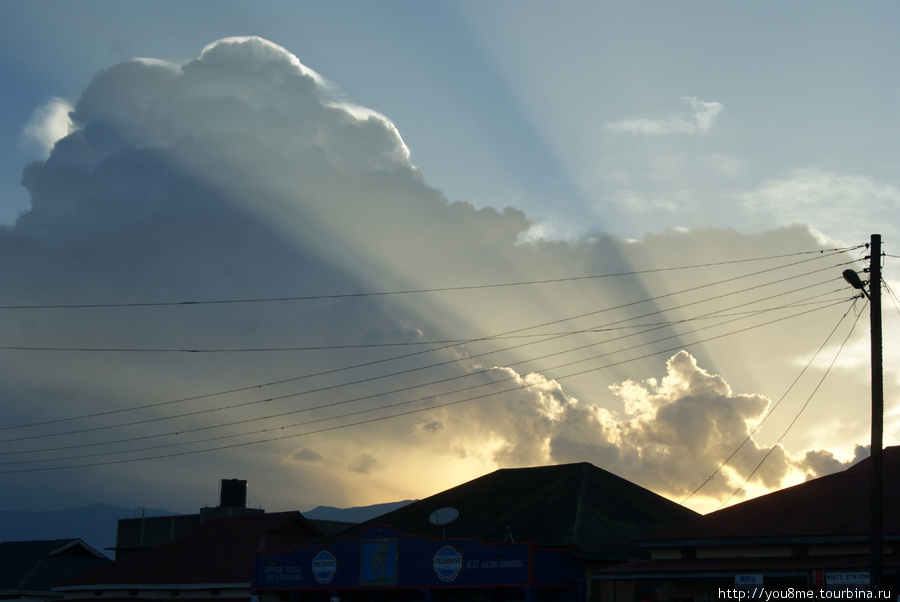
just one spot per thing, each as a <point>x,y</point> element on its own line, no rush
<point>833,506</point>
<point>574,506</point>
<point>34,566</point>
<point>218,550</point>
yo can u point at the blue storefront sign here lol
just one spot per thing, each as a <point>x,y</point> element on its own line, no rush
<point>383,557</point>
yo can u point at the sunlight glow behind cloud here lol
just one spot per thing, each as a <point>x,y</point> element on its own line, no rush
<point>49,123</point>
<point>235,176</point>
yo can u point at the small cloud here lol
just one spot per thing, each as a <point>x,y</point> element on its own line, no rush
<point>308,455</point>
<point>432,427</point>
<point>49,123</point>
<point>699,120</point>
<point>815,463</point>
<point>364,464</point>
<point>704,113</point>
<point>553,228</point>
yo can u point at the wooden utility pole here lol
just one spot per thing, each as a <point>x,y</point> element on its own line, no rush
<point>877,413</point>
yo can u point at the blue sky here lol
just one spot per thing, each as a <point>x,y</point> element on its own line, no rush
<point>509,104</point>
<point>581,138</point>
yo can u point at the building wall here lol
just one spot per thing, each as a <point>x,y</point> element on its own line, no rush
<point>782,551</point>
<point>762,551</point>
<point>135,534</point>
<point>614,591</point>
<point>767,551</point>
<point>841,549</point>
<point>174,592</point>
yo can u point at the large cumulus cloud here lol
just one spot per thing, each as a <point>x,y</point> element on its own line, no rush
<point>241,178</point>
<point>670,434</point>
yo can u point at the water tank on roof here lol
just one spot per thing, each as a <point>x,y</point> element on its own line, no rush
<point>233,493</point>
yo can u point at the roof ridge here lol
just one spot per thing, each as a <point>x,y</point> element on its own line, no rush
<point>582,494</point>
<point>76,542</point>
<point>34,569</point>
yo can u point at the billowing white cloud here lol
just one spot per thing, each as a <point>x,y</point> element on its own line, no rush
<point>671,433</point>
<point>699,120</point>
<point>237,177</point>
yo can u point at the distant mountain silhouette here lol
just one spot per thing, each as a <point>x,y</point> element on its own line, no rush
<point>94,524</point>
<point>357,514</point>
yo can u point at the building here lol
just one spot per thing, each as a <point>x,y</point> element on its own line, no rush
<point>28,569</point>
<point>810,536</point>
<point>213,561</point>
<point>521,534</point>
<point>136,534</point>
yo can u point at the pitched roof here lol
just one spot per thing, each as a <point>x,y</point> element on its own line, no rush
<point>36,565</point>
<point>218,550</point>
<point>833,506</point>
<point>575,506</point>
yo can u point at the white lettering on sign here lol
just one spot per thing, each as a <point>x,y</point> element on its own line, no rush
<point>447,563</point>
<point>847,577</point>
<point>324,566</point>
<point>494,564</point>
<point>284,572</point>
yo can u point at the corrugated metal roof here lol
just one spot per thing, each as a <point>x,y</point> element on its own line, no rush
<point>576,506</point>
<point>216,551</point>
<point>833,506</point>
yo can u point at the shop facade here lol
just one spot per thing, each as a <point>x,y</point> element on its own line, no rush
<point>385,565</point>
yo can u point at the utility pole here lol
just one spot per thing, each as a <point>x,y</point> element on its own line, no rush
<point>876,536</point>
<point>877,412</point>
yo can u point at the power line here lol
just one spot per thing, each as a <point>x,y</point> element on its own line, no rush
<point>353,400</point>
<point>447,342</point>
<point>404,389</point>
<point>364,411</point>
<point>768,414</point>
<point>411,291</point>
<point>771,411</point>
<point>796,416</point>
<point>606,326</point>
<point>470,341</point>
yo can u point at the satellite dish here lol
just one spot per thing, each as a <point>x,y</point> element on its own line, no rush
<point>443,516</point>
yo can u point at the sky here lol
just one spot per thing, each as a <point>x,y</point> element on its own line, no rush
<point>359,252</point>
